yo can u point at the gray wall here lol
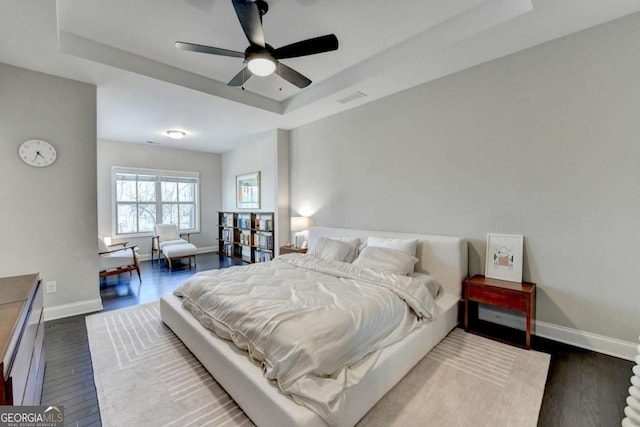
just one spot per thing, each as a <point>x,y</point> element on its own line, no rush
<point>269,155</point>
<point>256,156</point>
<point>112,153</point>
<point>544,143</point>
<point>48,215</point>
<point>282,189</point>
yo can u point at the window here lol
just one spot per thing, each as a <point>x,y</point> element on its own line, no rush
<point>144,197</point>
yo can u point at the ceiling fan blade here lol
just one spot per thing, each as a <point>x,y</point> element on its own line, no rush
<point>208,49</point>
<point>308,47</point>
<point>292,76</point>
<point>251,21</point>
<point>240,78</point>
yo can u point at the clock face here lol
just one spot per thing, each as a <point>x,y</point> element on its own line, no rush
<point>37,153</point>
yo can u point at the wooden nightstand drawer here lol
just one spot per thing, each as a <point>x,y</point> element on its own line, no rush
<point>498,297</point>
<point>498,293</point>
<point>292,250</point>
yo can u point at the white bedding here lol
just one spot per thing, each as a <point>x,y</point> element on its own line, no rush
<point>316,326</point>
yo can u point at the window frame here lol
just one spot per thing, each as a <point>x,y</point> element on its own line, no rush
<point>159,175</point>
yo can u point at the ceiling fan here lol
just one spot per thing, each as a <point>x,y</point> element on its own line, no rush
<point>261,58</point>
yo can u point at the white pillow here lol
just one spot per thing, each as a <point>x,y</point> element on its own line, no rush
<point>407,246</point>
<point>431,283</point>
<point>332,250</point>
<point>353,241</point>
<point>386,260</point>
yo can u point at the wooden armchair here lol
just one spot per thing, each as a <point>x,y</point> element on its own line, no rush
<point>117,258</point>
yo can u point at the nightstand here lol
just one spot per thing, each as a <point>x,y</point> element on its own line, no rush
<point>292,250</point>
<point>498,293</point>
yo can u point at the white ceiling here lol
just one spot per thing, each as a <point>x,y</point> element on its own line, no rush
<point>147,86</point>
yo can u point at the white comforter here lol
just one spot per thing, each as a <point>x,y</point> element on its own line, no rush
<point>316,326</point>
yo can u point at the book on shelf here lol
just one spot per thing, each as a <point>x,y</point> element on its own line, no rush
<point>227,234</point>
<point>227,220</point>
<point>244,222</point>
<point>245,238</point>
<point>262,255</point>
<point>228,249</point>
<point>262,224</point>
<point>264,240</point>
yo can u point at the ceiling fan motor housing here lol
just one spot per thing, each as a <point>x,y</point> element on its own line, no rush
<point>255,51</point>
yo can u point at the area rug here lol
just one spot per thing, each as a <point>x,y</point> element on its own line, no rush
<point>144,375</point>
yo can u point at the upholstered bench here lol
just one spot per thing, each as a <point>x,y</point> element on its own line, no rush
<point>181,250</point>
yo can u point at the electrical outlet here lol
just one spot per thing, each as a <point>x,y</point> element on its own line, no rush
<point>50,287</point>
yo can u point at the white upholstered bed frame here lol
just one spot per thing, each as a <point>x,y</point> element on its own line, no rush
<point>445,258</point>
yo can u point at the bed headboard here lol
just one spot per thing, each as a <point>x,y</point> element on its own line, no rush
<point>443,257</point>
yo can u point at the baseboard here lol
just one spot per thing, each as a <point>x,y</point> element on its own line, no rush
<point>207,249</point>
<point>73,309</point>
<point>599,343</point>
<point>611,346</point>
<point>202,250</point>
<point>144,257</point>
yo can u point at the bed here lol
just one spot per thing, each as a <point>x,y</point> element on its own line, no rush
<point>442,257</point>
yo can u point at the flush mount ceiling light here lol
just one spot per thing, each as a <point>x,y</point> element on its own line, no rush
<point>176,134</point>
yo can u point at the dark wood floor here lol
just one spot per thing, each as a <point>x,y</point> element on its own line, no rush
<point>583,388</point>
<point>68,379</point>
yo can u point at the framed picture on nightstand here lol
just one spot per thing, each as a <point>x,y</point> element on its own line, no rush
<point>504,257</point>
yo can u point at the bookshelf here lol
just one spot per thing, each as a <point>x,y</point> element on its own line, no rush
<point>246,235</point>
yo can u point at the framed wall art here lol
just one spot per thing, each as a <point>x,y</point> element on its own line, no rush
<point>248,191</point>
<point>504,257</point>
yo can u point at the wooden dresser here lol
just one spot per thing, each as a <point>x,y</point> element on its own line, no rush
<point>21,340</point>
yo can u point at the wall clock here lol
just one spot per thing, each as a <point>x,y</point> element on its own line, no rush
<point>37,153</point>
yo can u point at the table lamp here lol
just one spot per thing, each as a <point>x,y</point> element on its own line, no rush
<point>299,225</point>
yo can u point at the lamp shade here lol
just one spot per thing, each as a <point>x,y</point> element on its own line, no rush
<point>300,223</point>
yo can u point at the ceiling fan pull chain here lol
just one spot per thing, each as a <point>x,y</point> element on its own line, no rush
<point>278,65</point>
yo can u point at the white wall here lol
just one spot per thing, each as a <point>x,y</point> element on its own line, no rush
<point>48,215</point>
<point>545,143</point>
<point>113,153</point>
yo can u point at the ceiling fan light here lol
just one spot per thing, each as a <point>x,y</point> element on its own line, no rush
<point>176,134</point>
<point>261,66</point>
